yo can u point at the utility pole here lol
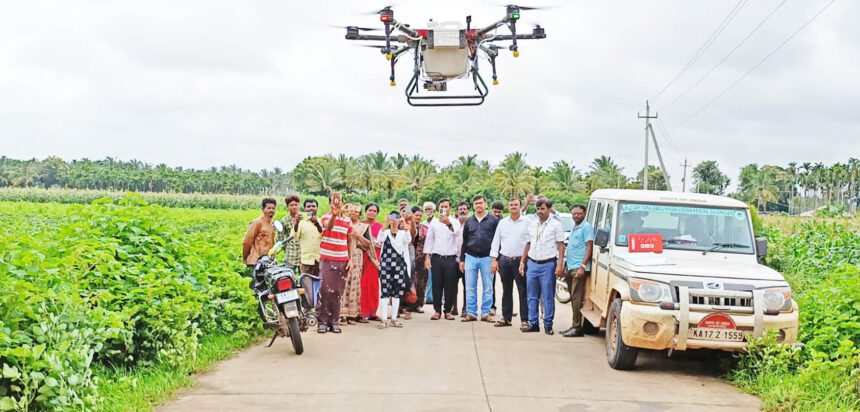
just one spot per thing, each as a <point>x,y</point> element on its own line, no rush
<point>684,180</point>
<point>647,118</point>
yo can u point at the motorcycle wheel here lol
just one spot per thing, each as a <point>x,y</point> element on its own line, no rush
<point>295,335</point>
<point>562,292</point>
<point>281,327</point>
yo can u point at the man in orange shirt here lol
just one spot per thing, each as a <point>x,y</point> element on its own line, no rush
<point>260,237</point>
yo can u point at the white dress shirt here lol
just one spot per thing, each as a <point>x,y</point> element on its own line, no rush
<point>511,237</point>
<point>441,240</point>
<point>544,238</point>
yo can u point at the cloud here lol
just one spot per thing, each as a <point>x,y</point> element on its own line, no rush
<point>264,84</point>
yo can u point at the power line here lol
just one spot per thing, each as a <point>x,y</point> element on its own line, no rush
<point>766,18</point>
<point>667,137</point>
<point>772,52</point>
<point>732,13</point>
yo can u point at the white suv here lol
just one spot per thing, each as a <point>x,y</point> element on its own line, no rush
<point>706,289</point>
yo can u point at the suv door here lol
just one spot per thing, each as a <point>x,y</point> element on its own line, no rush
<point>599,263</point>
<point>603,265</point>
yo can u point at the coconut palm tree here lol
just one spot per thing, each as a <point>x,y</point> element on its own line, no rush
<point>604,172</point>
<point>763,188</point>
<point>514,177</point>
<point>418,174</point>
<point>323,177</point>
<point>564,176</point>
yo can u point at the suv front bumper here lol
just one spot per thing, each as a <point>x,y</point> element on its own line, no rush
<point>638,324</point>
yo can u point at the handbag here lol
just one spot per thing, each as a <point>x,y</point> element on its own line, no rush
<point>410,297</point>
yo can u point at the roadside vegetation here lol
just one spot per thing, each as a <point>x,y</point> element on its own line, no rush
<point>383,178</point>
<point>821,260</point>
<point>112,305</point>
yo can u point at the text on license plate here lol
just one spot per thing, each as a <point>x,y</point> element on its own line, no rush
<point>287,296</point>
<point>731,335</point>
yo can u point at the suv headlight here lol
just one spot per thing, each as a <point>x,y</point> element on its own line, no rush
<point>649,291</point>
<point>778,299</point>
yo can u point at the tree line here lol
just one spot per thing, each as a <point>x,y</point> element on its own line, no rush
<point>381,177</point>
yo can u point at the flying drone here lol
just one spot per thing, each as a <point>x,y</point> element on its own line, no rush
<point>445,51</point>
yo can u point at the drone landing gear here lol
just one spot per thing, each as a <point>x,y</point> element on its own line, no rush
<point>445,101</point>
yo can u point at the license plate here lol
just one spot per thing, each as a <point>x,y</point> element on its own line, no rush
<point>730,335</point>
<point>287,296</point>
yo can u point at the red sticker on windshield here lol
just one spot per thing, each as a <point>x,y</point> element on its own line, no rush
<point>645,243</point>
<point>717,321</point>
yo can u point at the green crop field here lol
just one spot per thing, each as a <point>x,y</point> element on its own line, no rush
<point>94,297</point>
<point>113,304</point>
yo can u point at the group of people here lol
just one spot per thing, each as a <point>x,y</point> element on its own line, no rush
<point>382,271</point>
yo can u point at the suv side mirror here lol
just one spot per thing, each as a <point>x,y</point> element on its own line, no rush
<point>760,247</point>
<point>601,239</point>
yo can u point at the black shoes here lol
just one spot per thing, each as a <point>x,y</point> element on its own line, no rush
<point>573,333</point>
<point>549,332</point>
<point>334,328</point>
<point>530,329</point>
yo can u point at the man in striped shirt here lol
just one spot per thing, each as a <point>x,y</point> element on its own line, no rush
<point>334,264</point>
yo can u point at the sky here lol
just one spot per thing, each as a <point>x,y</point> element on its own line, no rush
<point>263,84</point>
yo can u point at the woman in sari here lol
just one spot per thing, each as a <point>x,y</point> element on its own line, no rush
<point>369,301</point>
<point>350,301</point>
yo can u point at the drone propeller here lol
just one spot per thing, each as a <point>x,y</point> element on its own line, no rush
<point>334,26</point>
<point>531,8</point>
<point>370,13</point>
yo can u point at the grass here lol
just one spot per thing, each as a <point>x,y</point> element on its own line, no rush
<point>141,389</point>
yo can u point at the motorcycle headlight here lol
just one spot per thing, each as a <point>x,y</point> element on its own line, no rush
<point>777,299</point>
<point>649,291</point>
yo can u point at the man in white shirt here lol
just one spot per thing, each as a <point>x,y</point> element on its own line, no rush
<point>429,214</point>
<point>544,252</point>
<point>441,252</point>
<point>507,249</point>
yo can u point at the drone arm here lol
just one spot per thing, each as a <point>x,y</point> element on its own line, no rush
<point>374,37</point>
<point>502,37</point>
<point>400,26</point>
<point>492,27</point>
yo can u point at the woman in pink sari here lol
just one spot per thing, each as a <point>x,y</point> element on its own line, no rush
<point>370,272</point>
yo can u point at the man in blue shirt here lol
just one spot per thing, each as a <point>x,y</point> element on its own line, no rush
<point>578,262</point>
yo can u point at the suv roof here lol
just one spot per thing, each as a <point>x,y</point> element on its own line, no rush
<point>658,196</point>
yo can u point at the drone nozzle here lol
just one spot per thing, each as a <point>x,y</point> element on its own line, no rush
<point>516,53</point>
<point>387,56</point>
<point>393,83</point>
<point>495,82</point>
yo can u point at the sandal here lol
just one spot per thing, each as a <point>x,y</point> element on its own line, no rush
<point>383,324</point>
<point>502,323</point>
<point>407,315</point>
<point>362,320</point>
<point>396,324</point>
<point>449,316</point>
<point>436,316</point>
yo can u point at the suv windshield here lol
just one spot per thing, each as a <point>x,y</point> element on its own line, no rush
<point>687,227</point>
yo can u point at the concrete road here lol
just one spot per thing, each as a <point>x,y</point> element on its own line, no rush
<point>453,366</point>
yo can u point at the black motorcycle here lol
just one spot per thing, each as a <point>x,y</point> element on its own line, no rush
<point>281,301</point>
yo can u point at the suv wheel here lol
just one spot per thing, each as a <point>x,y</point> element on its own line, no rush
<point>619,355</point>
